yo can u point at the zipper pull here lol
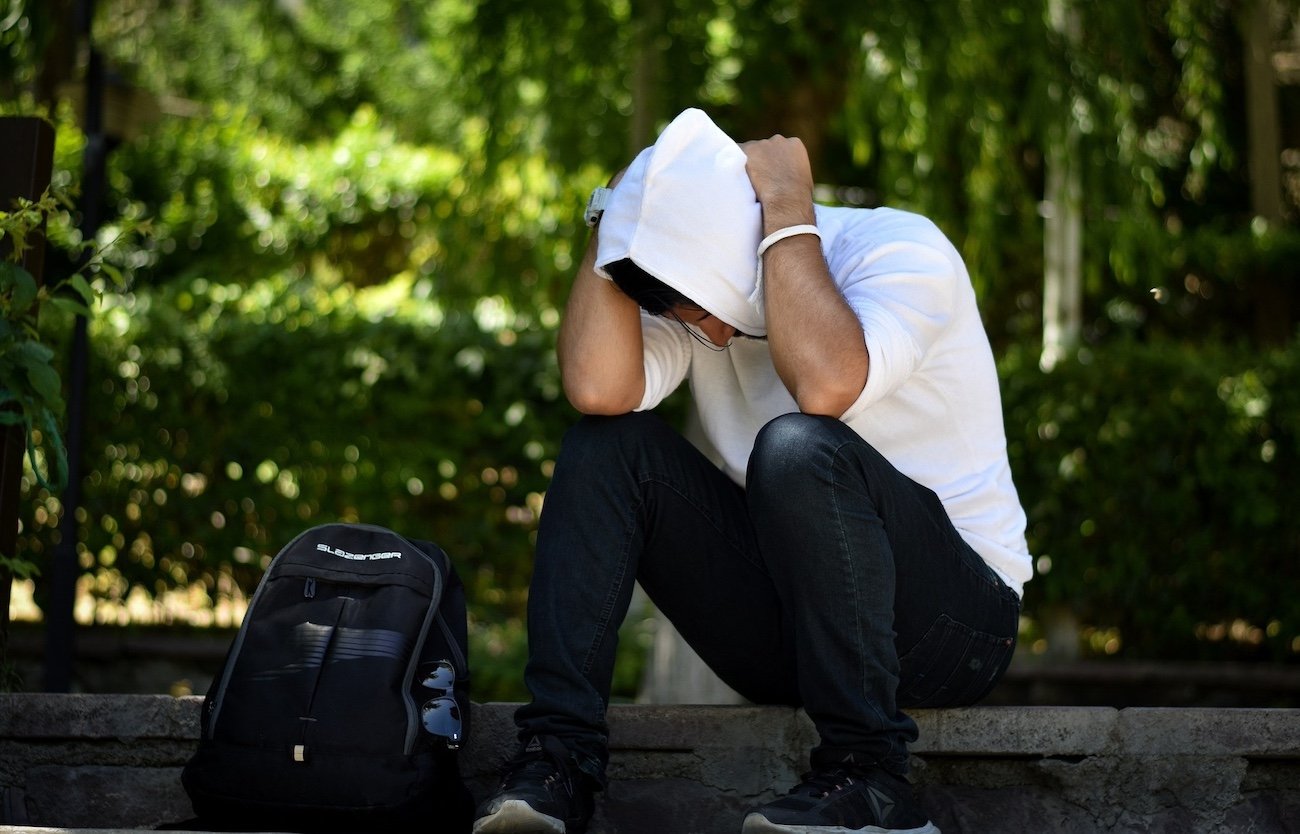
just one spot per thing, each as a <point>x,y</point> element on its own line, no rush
<point>309,589</point>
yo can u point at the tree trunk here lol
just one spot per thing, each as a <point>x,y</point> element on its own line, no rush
<point>59,64</point>
<point>1063,220</point>
<point>649,26</point>
<point>1062,251</point>
<point>1258,23</point>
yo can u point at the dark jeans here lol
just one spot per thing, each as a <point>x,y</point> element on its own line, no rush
<point>831,581</point>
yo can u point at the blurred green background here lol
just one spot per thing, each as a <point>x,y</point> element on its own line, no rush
<point>365,215</point>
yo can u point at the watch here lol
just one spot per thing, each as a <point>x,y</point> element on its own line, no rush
<point>596,205</point>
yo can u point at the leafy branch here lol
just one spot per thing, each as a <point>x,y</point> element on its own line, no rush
<point>31,394</point>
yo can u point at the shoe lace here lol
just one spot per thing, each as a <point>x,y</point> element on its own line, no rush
<point>822,783</point>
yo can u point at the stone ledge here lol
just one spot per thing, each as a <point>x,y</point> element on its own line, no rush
<point>38,716</point>
<point>979,731</point>
<point>1091,731</point>
<point>113,762</point>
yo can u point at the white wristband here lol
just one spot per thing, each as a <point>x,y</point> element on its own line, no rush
<point>756,297</point>
<point>789,231</point>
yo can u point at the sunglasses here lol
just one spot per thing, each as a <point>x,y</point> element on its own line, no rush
<point>440,715</point>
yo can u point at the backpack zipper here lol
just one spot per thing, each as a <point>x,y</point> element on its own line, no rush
<point>217,693</point>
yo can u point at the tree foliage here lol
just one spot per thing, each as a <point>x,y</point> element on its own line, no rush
<point>947,107</point>
<point>365,220</point>
<point>1161,520</point>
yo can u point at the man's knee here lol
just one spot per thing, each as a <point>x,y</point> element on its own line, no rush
<point>794,447</point>
<point>792,443</point>
<point>793,431</point>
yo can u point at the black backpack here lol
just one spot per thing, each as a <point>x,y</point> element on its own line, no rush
<point>344,698</point>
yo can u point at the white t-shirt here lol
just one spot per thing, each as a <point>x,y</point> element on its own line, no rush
<point>931,404</point>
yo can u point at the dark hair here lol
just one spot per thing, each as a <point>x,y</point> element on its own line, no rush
<point>653,295</point>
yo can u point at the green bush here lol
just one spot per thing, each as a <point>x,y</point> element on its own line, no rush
<point>235,202</point>
<point>224,418</point>
<point>378,373</point>
<point>1160,485</point>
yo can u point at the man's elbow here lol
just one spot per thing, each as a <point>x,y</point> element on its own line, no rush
<point>597,400</point>
<point>823,406</point>
<point>828,400</point>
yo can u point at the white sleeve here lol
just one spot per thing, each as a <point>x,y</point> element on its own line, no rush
<point>667,358</point>
<point>903,292</point>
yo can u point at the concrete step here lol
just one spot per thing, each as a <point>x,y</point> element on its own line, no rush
<point>112,762</point>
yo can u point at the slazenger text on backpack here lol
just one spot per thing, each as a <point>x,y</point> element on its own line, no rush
<point>359,557</point>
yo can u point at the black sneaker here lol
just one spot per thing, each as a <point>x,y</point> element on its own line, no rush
<point>541,792</point>
<point>843,800</point>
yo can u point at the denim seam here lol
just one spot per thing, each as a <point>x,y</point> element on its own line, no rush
<point>667,482</point>
<point>846,558</point>
<point>611,599</point>
<point>987,576</point>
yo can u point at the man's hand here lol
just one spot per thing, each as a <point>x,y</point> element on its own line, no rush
<point>781,174</point>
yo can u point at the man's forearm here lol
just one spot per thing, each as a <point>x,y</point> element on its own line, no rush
<point>599,347</point>
<point>815,338</point>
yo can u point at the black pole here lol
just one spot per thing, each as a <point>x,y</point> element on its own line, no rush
<point>25,172</point>
<point>60,632</point>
